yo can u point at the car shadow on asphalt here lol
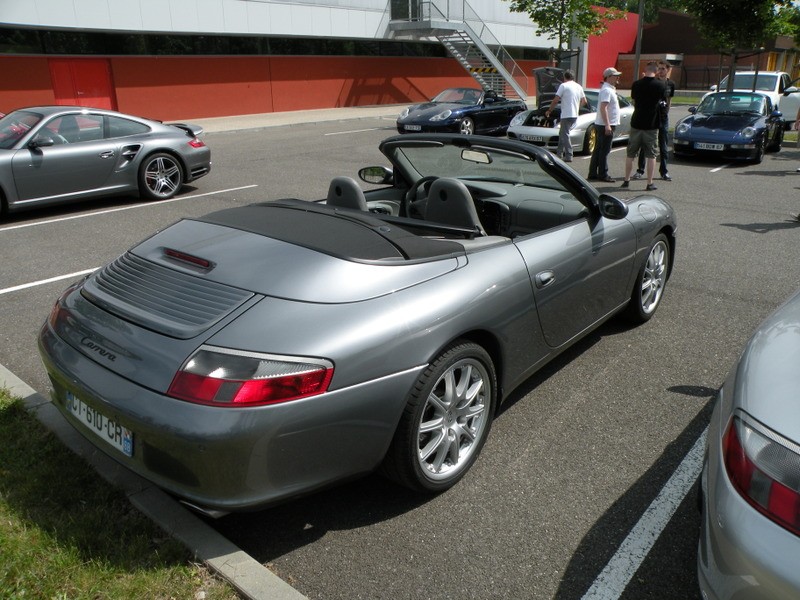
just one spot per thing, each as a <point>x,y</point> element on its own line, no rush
<point>60,211</point>
<point>674,555</point>
<point>792,222</point>
<point>268,534</point>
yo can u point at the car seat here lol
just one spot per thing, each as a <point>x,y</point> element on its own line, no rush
<point>450,203</point>
<point>344,192</point>
<point>68,129</point>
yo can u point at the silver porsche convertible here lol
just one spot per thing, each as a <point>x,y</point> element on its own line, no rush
<point>59,154</point>
<point>265,351</point>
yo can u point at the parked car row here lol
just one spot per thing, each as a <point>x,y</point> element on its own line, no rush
<point>196,343</point>
<point>740,124</point>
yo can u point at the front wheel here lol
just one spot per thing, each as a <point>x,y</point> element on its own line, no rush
<point>467,126</point>
<point>649,287</point>
<point>446,421</point>
<point>759,155</point>
<point>160,177</point>
<point>590,140</point>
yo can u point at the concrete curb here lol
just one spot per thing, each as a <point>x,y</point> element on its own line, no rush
<point>249,577</point>
<point>277,119</point>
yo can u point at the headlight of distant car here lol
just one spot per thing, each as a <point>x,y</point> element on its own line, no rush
<point>442,115</point>
<point>683,128</point>
<point>748,132</point>
<point>518,119</point>
<point>404,114</point>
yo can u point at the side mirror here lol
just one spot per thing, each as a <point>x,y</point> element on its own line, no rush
<point>376,175</point>
<point>713,88</point>
<point>776,114</point>
<point>791,90</point>
<point>612,207</point>
<point>693,109</point>
<point>41,141</point>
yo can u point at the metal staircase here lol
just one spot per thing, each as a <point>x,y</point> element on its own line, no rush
<point>465,36</point>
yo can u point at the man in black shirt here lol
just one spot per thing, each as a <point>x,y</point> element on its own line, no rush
<point>649,98</point>
<point>664,70</point>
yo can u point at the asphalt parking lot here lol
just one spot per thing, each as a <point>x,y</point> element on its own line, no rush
<point>586,485</point>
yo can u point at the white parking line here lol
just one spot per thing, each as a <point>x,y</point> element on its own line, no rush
<point>44,281</point>
<point>354,131</point>
<point>612,581</point>
<point>720,168</point>
<point>112,210</point>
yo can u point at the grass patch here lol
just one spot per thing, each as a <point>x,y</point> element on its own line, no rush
<point>66,533</point>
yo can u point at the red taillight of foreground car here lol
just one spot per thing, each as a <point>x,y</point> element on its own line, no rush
<point>224,377</point>
<point>197,143</point>
<point>765,469</point>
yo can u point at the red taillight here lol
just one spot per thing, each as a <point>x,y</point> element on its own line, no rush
<point>230,378</point>
<point>765,469</point>
<point>196,143</point>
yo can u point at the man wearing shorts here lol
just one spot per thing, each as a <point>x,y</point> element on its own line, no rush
<point>648,94</point>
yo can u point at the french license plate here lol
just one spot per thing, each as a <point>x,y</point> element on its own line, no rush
<point>704,146</point>
<point>413,127</point>
<point>106,429</point>
<point>531,138</point>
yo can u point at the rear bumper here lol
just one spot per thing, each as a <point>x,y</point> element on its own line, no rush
<point>232,459</point>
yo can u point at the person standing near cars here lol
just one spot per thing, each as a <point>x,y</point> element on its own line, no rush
<point>649,97</point>
<point>663,73</point>
<point>605,122</point>
<point>570,94</point>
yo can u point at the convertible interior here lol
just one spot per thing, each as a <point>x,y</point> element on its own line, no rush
<point>466,209</point>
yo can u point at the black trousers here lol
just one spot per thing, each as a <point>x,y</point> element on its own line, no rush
<point>598,165</point>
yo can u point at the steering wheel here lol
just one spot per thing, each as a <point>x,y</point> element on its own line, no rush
<point>416,197</point>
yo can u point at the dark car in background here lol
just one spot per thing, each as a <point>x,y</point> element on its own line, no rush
<point>59,154</point>
<point>730,125</point>
<point>461,110</point>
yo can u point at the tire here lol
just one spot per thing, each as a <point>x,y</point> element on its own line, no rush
<point>777,140</point>
<point>160,176</point>
<point>649,287</point>
<point>467,126</point>
<point>759,153</point>
<point>446,420</point>
<point>590,140</point>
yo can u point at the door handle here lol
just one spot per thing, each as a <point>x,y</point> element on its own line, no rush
<point>544,278</point>
<point>107,154</point>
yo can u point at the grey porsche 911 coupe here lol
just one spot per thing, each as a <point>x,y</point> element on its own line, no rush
<point>58,154</point>
<point>265,351</point>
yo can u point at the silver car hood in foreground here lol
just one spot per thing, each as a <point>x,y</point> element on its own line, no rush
<point>768,374</point>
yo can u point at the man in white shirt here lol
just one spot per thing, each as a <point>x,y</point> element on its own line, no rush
<point>604,124</point>
<point>570,94</point>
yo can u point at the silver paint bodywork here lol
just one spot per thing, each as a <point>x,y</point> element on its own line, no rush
<point>742,553</point>
<point>524,297</point>
<point>67,170</point>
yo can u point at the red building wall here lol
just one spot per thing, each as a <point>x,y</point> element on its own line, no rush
<point>604,50</point>
<point>190,87</point>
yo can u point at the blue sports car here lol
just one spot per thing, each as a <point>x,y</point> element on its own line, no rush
<point>461,110</point>
<point>739,125</point>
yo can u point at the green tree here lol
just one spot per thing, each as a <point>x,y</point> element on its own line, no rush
<point>733,25</point>
<point>561,20</point>
<point>739,27</point>
<point>651,7</point>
